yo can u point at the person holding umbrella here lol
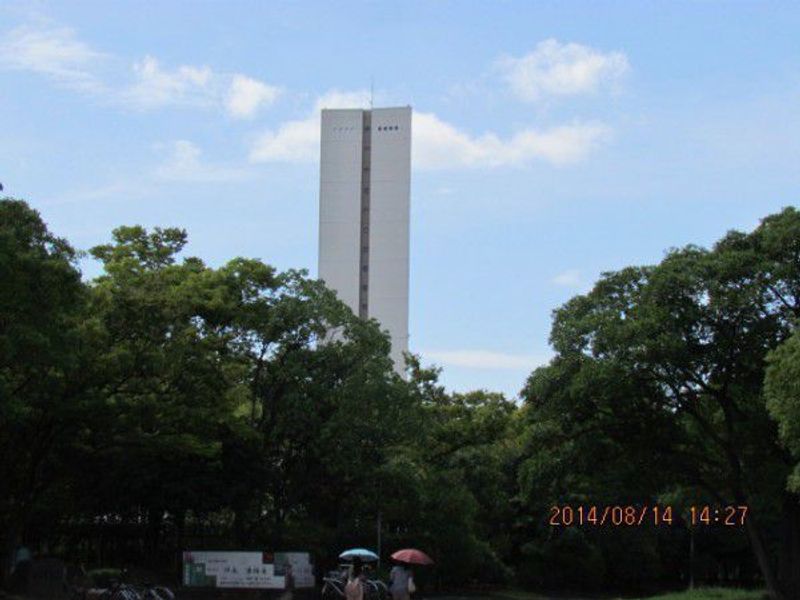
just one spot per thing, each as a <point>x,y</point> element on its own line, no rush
<point>354,589</point>
<point>401,578</point>
<point>401,582</point>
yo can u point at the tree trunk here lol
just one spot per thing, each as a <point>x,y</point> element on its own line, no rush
<point>241,530</point>
<point>751,527</point>
<point>789,559</point>
<point>154,517</point>
<point>691,558</point>
<point>757,544</point>
<point>180,529</point>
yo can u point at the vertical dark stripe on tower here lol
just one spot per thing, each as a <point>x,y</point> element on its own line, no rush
<point>363,267</point>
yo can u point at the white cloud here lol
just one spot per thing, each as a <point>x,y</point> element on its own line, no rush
<point>58,54</point>
<point>569,278</point>
<point>485,359</point>
<point>556,69</point>
<point>155,87</point>
<point>183,164</point>
<point>246,96</point>
<point>54,52</point>
<point>294,141</point>
<point>440,145</point>
<point>298,140</point>
<point>436,144</point>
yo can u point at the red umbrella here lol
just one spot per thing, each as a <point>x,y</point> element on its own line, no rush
<point>412,556</point>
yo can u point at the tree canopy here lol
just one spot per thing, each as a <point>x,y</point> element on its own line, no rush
<point>168,404</point>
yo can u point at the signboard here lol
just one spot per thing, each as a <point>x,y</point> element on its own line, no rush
<point>246,570</point>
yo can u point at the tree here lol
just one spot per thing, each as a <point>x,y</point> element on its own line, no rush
<point>167,393</point>
<point>323,408</point>
<point>240,391</point>
<point>224,390</point>
<point>41,354</point>
<point>453,480</point>
<point>782,390</point>
<point>688,339</point>
<point>588,440</point>
<point>165,375</point>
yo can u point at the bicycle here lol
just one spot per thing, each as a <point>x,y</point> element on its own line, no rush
<point>335,582</point>
<point>157,592</point>
<point>120,591</point>
<point>375,589</point>
<point>333,588</point>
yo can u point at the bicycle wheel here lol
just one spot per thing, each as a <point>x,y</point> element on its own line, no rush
<point>371,591</point>
<point>331,592</point>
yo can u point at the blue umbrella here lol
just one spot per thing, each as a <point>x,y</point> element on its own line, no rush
<point>361,553</point>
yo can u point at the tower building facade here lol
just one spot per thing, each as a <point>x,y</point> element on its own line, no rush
<point>364,204</point>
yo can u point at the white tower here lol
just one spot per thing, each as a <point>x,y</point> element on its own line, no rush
<point>364,201</point>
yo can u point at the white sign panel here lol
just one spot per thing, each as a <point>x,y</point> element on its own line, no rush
<point>230,570</point>
<point>247,570</point>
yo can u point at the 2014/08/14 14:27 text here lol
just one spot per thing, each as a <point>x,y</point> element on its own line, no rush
<point>633,516</point>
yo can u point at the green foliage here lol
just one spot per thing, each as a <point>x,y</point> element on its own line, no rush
<point>41,355</point>
<point>711,594</point>
<point>104,578</point>
<point>169,403</point>
<point>567,561</point>
<point>658,378</point>
<point>453,481</point>
<point>782,389</point>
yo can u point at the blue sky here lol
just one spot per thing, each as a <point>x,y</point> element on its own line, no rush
<point>552,140</point>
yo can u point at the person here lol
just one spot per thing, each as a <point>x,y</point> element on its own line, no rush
<point>400,578</point>
<point>23,553</point>
<point>354,589</point>
<point>288,588</point>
